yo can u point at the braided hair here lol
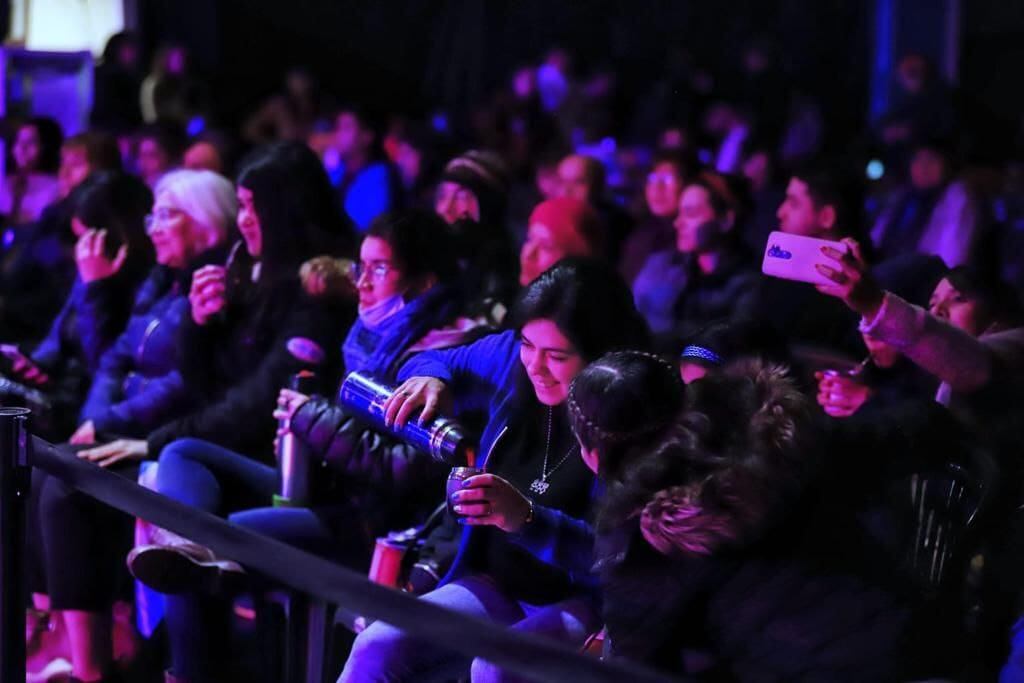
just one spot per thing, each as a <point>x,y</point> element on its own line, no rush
<point>623,399</point>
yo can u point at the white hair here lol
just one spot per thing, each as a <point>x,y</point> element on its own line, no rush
<point>207,197</point>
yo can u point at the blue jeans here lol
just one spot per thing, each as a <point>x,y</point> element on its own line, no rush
<point>217,480</point>
<point>384,653</point>
<point>344,541</point>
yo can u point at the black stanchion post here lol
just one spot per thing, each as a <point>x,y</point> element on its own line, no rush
<point>14,486</point>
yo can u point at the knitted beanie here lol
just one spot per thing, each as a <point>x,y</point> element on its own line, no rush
<point>486,176</point>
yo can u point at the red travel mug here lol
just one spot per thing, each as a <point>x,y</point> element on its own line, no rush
<point>386,567</point>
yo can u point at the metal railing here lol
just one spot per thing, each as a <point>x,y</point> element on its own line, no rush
<point>529,656</point>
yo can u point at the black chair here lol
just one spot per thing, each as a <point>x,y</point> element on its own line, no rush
<point>948,505</point>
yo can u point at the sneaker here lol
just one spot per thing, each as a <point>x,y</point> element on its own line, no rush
<point>184,567</point>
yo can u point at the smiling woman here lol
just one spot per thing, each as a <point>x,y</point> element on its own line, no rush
<point>536,490</point>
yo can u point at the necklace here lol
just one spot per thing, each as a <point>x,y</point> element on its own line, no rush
<point>540,485</point>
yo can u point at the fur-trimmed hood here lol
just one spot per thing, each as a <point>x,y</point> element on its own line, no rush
<point>753,451</point>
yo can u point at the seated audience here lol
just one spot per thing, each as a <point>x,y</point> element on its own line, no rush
<point>367,183</point>
<point>45,252</point>
<point>113,256</point>
<point>712,524</point>
<point>669,174</point>
<point>472,199</point>
<point>31,185</point>
<point>512,566</point>
<point>159,149</point>
<point>137,388</point>
<point>933,214</point>
<point>584,178</point>
<point>707,276</point>
<point>885,379</point>
<point>235,356</point>
<point>558,228</point>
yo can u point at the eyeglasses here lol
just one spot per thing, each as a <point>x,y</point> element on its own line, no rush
<point>377,270</point>
<point>161,216</point>
<point>661,179</point>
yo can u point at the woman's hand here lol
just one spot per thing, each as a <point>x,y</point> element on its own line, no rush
<point>853,283</point>
<point>839,395</point>
<point>116,451</point>
<point>288,402</point>
<point>93,263</point>
<point>414,393</point>
<point>487,499</point>
<point>207,293</point>
<point>85,435</point>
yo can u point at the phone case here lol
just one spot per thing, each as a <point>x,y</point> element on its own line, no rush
<point>793,257</point>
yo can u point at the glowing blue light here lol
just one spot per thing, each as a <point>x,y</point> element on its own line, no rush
<point>875,169</point>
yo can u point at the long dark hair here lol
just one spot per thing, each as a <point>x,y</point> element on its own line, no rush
<point>117,202</point>
<point>742,449</point>
<point>299,213</point>
<point>50,138</point>
<point>589,302</point>
<point>420,242</point>
<point>621,403</point>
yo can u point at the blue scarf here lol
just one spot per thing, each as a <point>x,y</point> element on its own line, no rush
<point>375,351</point>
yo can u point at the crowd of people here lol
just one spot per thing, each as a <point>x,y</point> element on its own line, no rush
<point>719,473</point>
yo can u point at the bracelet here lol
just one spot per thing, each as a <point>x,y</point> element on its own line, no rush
<point>530,513</point>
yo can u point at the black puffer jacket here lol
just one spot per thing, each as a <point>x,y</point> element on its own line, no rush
<point>397,485</point>
<point>790,607</point>
<point>235,366</point>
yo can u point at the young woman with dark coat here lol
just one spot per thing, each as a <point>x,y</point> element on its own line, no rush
<point>514,565</point>
<point>409,302</point>
<point>717,554</point>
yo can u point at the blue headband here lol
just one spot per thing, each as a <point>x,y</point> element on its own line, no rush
<point>701,353</point>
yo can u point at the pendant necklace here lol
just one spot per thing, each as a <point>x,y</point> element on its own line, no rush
<point>540,485</point>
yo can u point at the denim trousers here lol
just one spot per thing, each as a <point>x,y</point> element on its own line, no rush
<point>208,477</point>
<point>384,653</point>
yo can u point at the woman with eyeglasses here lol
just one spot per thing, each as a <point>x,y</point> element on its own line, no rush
<point>405,277</point>
<point>136,388</point>
<point>234,344</point>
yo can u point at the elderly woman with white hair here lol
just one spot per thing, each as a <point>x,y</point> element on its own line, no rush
<point>136,389</point>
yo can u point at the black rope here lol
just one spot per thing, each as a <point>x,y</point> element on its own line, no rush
<point>526,655</point>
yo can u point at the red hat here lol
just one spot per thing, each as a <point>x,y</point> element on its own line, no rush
<point>573,223</point>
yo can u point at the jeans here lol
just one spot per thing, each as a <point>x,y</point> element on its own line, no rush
<point>217,480</point>
<point>384,653</point>
<point>334,532</point>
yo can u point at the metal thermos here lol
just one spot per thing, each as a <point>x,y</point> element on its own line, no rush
<point>443,439</point>
<point>293,459</point>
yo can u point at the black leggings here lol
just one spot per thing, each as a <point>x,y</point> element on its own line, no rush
<point>78,544</point>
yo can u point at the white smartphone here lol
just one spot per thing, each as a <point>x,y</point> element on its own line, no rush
<point>793,257</point>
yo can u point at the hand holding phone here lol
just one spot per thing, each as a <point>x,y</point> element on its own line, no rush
<point>796,257</point>
<point>93,258</point>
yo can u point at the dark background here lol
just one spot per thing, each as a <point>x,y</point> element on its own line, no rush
<point>413,56</point>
